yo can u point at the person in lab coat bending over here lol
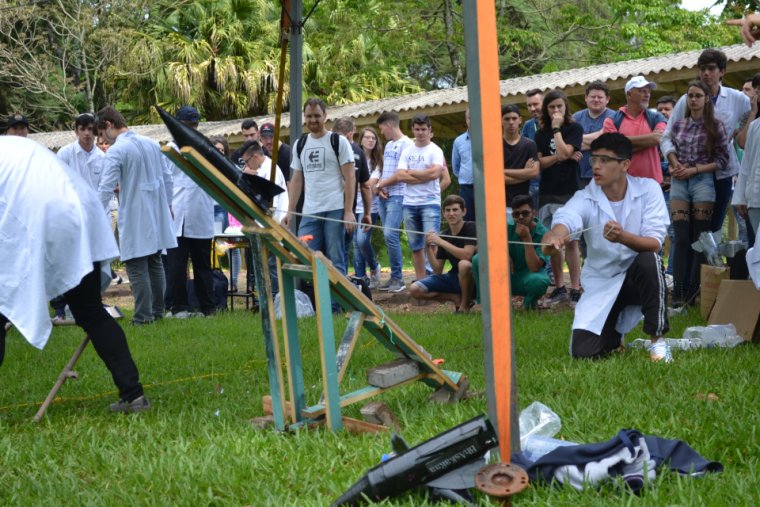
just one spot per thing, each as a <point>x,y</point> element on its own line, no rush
<point>624,222</point>
<point>55,238</point>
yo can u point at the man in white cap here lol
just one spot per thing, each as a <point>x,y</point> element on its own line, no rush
<point>641,126</point>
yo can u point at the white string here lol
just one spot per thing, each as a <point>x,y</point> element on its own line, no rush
<point>445,236</point>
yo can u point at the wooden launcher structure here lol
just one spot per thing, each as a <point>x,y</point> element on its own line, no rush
<point>296,261</point>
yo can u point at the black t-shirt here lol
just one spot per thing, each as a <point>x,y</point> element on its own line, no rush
<point>560,181</point>
<point>515,157</point>
<point>362,171</point>
<point>469,230</point>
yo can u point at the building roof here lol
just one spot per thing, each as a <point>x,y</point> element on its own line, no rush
<point>671,72</point>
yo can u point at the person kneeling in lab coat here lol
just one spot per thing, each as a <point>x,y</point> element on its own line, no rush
<point>55,238</point>
<point>624,219</point>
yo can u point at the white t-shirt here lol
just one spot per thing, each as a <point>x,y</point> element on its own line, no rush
<point>323,180</point>
<point>416,159</point>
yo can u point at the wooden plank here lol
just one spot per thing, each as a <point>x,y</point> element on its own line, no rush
<point>347,345</point>
<point>298,270</point>
<point>271,344</point>
<point>357,396</point>
<point>292,342</point>
<point>326,342</point>
<point>370,391</point>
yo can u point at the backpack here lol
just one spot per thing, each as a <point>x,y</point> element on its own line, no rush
<point>653,118</point>
<point>219,292</point>
<point>334,142</point>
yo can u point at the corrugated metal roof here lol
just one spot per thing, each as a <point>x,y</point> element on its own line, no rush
<point>510,88</point>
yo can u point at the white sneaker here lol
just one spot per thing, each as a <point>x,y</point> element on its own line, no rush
<point>374,277</point>
<point>660,351</point>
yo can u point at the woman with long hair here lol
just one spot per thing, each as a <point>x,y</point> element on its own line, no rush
<point>220,215</point>
<point>558,142</point>
<point>701,148</point>
<point>364,254</point>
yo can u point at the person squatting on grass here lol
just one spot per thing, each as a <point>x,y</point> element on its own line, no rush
<point>55,239</point>
<point>528,276</point>
<point>456,285</point>
<point>623,276</point>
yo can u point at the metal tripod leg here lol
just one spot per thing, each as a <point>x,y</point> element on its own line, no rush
<point>66,374</point>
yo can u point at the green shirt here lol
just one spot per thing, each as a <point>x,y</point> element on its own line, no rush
<point>517,251</point>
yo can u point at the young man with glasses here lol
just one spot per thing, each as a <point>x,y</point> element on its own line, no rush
<point>730,106</point>
<point>624,219</point>
<point>527,263</point>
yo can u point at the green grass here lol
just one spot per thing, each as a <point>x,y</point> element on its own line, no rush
<point>205,380</point>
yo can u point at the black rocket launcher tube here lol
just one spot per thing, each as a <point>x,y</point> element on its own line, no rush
<point>260,190</point>
<point>438,456</point>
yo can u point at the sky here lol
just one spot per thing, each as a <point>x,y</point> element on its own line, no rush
<point>695,5</point>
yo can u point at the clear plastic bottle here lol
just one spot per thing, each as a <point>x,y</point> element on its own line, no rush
<point>715,335</point>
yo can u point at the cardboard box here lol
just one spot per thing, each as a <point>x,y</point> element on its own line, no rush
<point>711,277</point>
<point>738,303</point>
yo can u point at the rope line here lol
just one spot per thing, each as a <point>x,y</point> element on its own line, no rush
<point>445,236</point>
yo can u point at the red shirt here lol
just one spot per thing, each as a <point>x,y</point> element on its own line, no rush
<point>645,163</point>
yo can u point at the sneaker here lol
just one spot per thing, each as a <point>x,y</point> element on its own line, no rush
<point>184,314</point>
<point>660,351</point>
<point>575,296</point>
<point>374,277</point>
<point>140,404</point>
<point>117,280</point>
<point>385,286</point>
<point>396,285</point>
<point>558,295</point>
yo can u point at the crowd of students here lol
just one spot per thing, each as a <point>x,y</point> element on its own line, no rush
<point>341,183</point>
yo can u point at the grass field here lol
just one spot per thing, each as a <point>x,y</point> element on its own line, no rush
<point>205,379</point>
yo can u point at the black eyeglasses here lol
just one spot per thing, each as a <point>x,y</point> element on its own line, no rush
<point>522,214</point>
<point>604,159</point>
<point>85,116</point>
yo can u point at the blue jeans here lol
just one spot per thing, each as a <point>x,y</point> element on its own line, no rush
<point>419,220</point>
<point>329,236</point>
<point>220,215</point>
<point>364,254</point>
<point>392,213</point>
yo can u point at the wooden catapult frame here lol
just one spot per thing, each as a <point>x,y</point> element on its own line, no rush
<point>296,261</point>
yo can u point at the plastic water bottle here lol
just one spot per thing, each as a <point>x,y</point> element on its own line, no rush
<point>715,335</point>
<point>538,419</point>
<point>537,446</point>
<point>675,343</point>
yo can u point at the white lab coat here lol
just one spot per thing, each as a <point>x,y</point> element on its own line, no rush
<point>52,229</point>
<point>145,222</point>
<point>193,208</point>
<point>281,201</point>
<point>644,214</point>
<point>89,166</point>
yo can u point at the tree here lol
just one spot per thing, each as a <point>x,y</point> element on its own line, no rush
<point>56,56</point>
<point>220,56</point>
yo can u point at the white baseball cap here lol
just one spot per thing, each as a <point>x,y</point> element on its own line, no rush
<point>639,82</point>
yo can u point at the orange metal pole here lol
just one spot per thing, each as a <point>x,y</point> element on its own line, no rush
<point>485,134</point>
